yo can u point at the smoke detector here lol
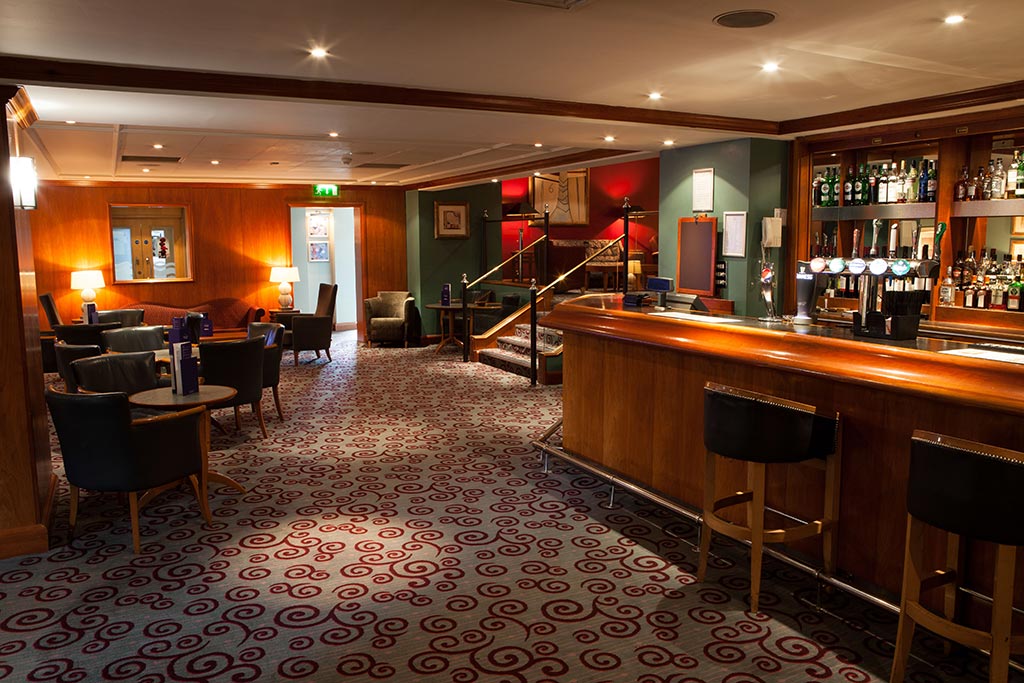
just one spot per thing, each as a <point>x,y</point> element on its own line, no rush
<point>554,4</point>
<point>745,18</point>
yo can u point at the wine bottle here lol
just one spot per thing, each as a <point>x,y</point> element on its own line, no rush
<point>932,186</point>
<point>848,187</point>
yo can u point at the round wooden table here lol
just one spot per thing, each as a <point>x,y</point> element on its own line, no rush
<point>208,395</point>
<point>447,314</point>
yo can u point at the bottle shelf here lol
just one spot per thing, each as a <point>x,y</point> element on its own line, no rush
<point>986,207</point>
<point>908,211</point>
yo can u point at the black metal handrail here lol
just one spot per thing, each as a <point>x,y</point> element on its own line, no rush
<point>580,265</point>
<point>504,263</point>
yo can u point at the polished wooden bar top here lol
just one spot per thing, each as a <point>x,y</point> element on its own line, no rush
<point>917,367</point>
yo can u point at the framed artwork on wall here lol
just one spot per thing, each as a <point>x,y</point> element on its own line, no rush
<point>696,254</point>
<point>319,251</point>
<point>318,224</point>
<point>451,220</point>
<point>566,194</point>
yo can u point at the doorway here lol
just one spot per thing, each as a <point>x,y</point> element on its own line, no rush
<point>324,250</point>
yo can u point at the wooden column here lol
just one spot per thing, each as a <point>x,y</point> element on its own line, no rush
<point>27,482</point>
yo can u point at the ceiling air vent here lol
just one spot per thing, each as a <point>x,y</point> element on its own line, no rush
<point>389,167</point>
<point>554,4</point>
<point>143,159</point>
<point>745,18</point>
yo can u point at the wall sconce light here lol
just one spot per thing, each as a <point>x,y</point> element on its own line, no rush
<point>285,275</point>
<point>23,182</point>
<point>88,281</point>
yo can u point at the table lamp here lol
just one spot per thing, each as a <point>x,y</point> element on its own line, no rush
<point>286,275</point>
<point>88,281</point>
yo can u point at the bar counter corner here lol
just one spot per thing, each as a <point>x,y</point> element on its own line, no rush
<point>633,404</point>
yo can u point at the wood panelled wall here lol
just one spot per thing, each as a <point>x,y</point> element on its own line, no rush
<point>238,233</point>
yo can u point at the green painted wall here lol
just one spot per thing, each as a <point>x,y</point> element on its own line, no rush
<point>433,262</point>
<point>750,176</point>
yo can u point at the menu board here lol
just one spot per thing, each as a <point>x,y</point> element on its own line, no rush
<point>697,248</point>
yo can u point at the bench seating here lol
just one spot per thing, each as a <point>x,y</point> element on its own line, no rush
<point>226,313</point>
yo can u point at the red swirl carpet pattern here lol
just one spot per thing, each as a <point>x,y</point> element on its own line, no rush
<point>398,527</point>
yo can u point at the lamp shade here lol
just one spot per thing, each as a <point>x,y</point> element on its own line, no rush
<point>284,274</point>
<point>87,279</point>
<point>23,182</point>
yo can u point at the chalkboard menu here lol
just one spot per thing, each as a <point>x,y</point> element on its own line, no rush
<point>697,247</point>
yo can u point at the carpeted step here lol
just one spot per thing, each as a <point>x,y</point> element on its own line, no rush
<point>509,361</point>
<point>545,335</point>
<point>521,345</point>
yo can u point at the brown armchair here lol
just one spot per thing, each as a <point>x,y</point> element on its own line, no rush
<point>313,332</point>
<point>392,317</point>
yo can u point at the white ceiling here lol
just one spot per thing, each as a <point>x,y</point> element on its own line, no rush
<point>832,57</point>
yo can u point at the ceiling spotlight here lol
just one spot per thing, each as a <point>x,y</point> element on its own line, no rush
<point>835,154</point>
<point>145,170</point>
<point>333,134</point>
<point>494,180</point>
<point>770,67</point>
<point>318,52</point>
<point>536,173</point>
<point>373,182</point>
<point>669,143</point>
<point>538,144</point>
<point>158,146</point>
<point>609,138</point>
<point>954,19</point>
<point>215,162</point>
<point>654,96</point>
<point>71,123</point>
<point>87,177</point>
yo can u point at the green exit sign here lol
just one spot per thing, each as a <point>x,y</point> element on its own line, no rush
<point>325,190</point>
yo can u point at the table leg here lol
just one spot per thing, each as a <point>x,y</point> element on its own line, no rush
<point>212,475</point>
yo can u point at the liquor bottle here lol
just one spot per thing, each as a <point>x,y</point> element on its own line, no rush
<point>848,187</point>
<point>1011,175</point>
<point>932,186</point>
<point>982,296</point>
<point>873,185</point>
<point>970,293</point>
<point>998,180</point>
<point>947,289</point>
<point>1013,292</point>
<point>971,186</point>
<point>922,182</point>
<point>859,182</point>
<point>898,180</point>
<point>837,186</point>
<point>910,188</point>
<point>816,189</point>
<point>825,188</point>
<point>883,185</point>
<point>1019,192</point>
<point>960,189</point>
<point>957,269</point>
<point>970,268</point>
<point>986,186</point>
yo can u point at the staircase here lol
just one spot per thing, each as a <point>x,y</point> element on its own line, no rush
<point>513,353</point>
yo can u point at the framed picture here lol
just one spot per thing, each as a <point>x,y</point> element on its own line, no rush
<point>696,254</point>
<point>318,223</point>
<point>1016,246</point>
<point>566,195</point>
<point>319,251</point>
<point>451,220</point>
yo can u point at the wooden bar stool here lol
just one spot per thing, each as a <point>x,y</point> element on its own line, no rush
<point>760,430</point>
<point>966,489</point>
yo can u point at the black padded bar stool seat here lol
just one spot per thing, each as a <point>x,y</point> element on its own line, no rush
<point>760,430</point>
<point>966,489</point>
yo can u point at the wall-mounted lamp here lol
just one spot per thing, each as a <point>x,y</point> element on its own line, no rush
<point>88,281</point>
<point>286,275</point>
<point>23,182</point>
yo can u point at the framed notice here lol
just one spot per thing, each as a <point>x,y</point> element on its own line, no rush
<point>696,249</point>
<point>703,189</point>
<point>734,234</point>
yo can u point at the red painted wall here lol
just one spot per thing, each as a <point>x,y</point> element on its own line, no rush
<point>637,180</point>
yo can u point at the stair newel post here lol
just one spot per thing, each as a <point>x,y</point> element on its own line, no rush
<point>625,246</point>
<point>533,332</point>
<point>544,250</point>
<point>465,319</point>
<point>483,242</point>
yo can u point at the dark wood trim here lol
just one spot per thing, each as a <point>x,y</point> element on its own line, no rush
<point>149,79</point>
<point>524,167</point>
<point>22,111</point>
<point>1007,92</point>
<point>924,130</point>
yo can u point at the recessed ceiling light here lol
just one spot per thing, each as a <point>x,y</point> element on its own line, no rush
<point>145,170</point>
<point>954,19</point>
<point>318,52</point>
<point>537,173</point>
<point>275,163</point>
<point>745,18</point>
<point>71,123</point>
<point>538,144</point>
<point>494,180</point>
<point>87,177</point>
<point>215,162</point>
<point>770,67</point>
<point>654,95</point>
<point>373,182</point>
<point>835,154</point>
<point>158,146</point>
<point>333,134</point>
<point>669,143</point>
<point>609,138</point>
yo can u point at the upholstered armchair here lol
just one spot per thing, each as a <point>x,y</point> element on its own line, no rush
<point>128,317</point>
<point>105,450</point>
<point>127,372</point>
<point>47,339</point>
<point>126,339</point>
<point>67,354</point>
<point>272,334</point>
<point>390,317</point>
<point>236,364</point>
<point>313,332</point>
<point>84,334</point>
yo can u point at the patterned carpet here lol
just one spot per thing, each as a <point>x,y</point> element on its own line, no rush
<point>398,527</point>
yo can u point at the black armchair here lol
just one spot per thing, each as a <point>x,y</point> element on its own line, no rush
<point>84,334</point>
<point>128,317</point>
<point>272,334</point>
<point>391,316</point>
<point>68,353</point>
<point>105,450</point>
<point>50,310</point>
<point>127,372</point>
<point>313,332</point>
<point>126,339</point>
<point>237,364</point>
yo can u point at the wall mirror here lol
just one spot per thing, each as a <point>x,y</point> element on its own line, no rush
<point>151,243</point>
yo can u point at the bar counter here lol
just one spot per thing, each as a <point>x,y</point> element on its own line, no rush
<point>633,404</point>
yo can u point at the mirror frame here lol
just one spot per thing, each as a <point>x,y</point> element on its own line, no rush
<point>189,241</point>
